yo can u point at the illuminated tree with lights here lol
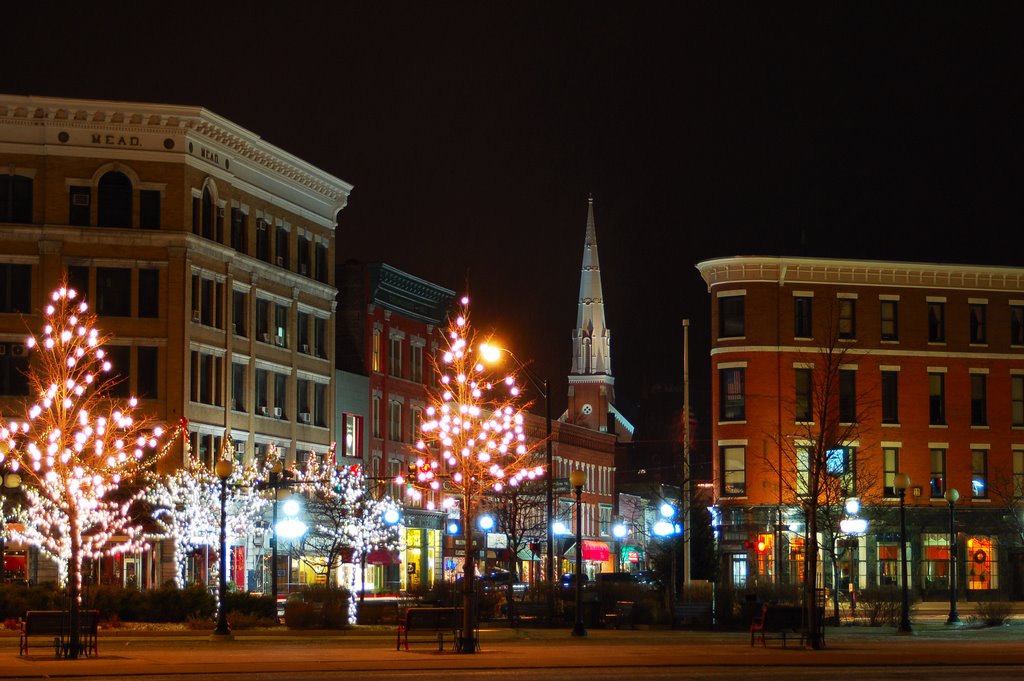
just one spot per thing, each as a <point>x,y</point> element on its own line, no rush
<point>344,517</point>
<point>472,438</point>
<point>82,453</point>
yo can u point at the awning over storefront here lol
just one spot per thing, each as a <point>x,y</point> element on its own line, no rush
<point>592,550</point>
<point>383,557</point>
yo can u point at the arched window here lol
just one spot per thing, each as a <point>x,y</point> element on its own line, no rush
<point>207,213</point>
<point>115,201</point>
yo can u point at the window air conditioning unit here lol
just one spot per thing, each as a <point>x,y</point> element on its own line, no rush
<point>305,348</point>
<point>279,341</point>
<point>266,337</point>
<point>195,315</point>
<point>18,350</point>
<point>80,199</point>
<point>280,261</point>
<point>304,416</point>
<point>263,410</point>
<point>277,412</point>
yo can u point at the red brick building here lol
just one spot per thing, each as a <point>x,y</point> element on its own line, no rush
<point>929,369</point>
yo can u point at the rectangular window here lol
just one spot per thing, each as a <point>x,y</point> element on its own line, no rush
<point>890,328</point>
<point>415,423</point>
<point>262,392</point>
<point>305,247</point>
<point>847,396</point>
<point>262,240</point>
<point>847,318</point>
<point>889,565</point>
<point>14,370</point>
<point>78,279</point>
<point>322,268</point>
<point>16,288</point>
<point>804,395</point>
<point>732,402</point>
<point>979,473</point>
<point>1017,325</point>
<point>375,417</point>
<point>120,357</point>
<point>238,374</point>
<point>149,209</point>
<point>890,397</point>
<point>320,336</point>
<point>1017,400</point>
<point>416,363</point>
<point>281,326</point>
<point>149,293</point>
<point>146,372</point>
<point>803,471</point>
<point>206,387</point>
<point>802,316</point>
<point>936,322</point>
<point>302,400</point>
<point>979,403</point>
<point>730,316</point>
<point>78,206</point>
<point>375,351</point>
<point>263,320</point>
<point>935,560</point>
<point>239,230</point>
<point>891,464</point>
<point>113,291</point>
<point>197,216</point>
<point>239,307</point>
<point>1018,473</point>
<point>303,329</point>
<point>937,481</point>
<point>840,462</point>
<point>983,573</point>
<point>281,396</point>
<point>353,445</point>
<point>395,421</point>
<point>979,333</point>
<point>15,198</point>
<point>281,247</point>
<point>734,471</point>
<point>320,404</point>
<point>395,357</point>
<point>937,399</point>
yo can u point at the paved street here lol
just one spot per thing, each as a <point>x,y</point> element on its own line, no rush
<point>933,653</point>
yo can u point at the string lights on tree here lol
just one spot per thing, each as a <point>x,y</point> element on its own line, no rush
<point>472,440</point>
<point>81,452</point>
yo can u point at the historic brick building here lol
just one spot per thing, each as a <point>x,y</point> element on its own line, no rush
<point>928,381</point>
<point>207,254</point>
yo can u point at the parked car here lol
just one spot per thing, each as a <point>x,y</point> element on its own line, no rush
<point>614,578</point>
<point>497,580</point>
<point>568,581</point>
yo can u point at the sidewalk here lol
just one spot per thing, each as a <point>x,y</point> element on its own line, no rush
<point>281,651</point>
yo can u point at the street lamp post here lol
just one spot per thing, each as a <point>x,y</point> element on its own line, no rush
<point>10,481</point>
<point>576,479</point>
<point>853,527</point>
<point>222,631</point>
<point>901,481</point>
<point>952,495</point>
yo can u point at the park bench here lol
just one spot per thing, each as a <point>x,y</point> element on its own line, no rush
<point>56,626</point>
<point>621,615</point>
<point>438,621</point>
<point>780,620</point>
<point>532,611</point>
<point>694,613</point>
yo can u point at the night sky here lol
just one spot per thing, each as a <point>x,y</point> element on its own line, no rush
<point>474,133</point>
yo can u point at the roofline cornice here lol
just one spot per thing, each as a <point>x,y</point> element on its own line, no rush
<point>828,271</point>
<point>175,119</point>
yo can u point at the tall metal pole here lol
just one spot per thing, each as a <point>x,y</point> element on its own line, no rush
<point>550,485</point>
<point>577,628</point>
<point>951,496</point>
<point>222,629</point>
<point>273,549</point>
<point>687,521</point>
<point>904,627</point>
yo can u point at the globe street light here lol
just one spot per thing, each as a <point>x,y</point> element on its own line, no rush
<point>576,478</point>
<point>952,496</point>
<point>223,632</point>
<point>901,481</point>
<point>11,481</point>
<point>853,527</point>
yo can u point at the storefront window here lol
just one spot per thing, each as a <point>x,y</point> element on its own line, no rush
<point>797,567</point>
<point>935,563</point>
<point>982,569</point>
<point>889,565</point>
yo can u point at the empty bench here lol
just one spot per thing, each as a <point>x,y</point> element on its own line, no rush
<point>691,614</point>
<point>437,621</point>
<point>780,620</point>
<point>55,625</point>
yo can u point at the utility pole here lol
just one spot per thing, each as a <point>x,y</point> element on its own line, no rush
<point>687,520</point>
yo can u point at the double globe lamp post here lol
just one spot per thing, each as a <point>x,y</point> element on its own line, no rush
<point>901,481</point>
<point>952,495</point>
<point>222,631</point>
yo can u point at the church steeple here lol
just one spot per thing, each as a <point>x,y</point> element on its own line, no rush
<point>591,339</point>
<point>591,384</point>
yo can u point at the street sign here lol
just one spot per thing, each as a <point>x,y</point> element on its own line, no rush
<point>561,486</point>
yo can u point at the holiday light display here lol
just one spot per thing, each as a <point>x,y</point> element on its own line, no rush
<point>81,453</point>
<point>472,439</point>
<point>344,517</point>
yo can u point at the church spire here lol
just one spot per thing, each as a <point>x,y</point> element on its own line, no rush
<point>591,339</point>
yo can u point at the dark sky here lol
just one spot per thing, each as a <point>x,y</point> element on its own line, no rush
<point>474,132</point>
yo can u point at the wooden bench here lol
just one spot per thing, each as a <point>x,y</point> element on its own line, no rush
<point>533,611</point>
<point>621,615</point>
<point>694,613</point>
<point>778,619</point>
<point>435,620</point>
<point>57,624</point>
